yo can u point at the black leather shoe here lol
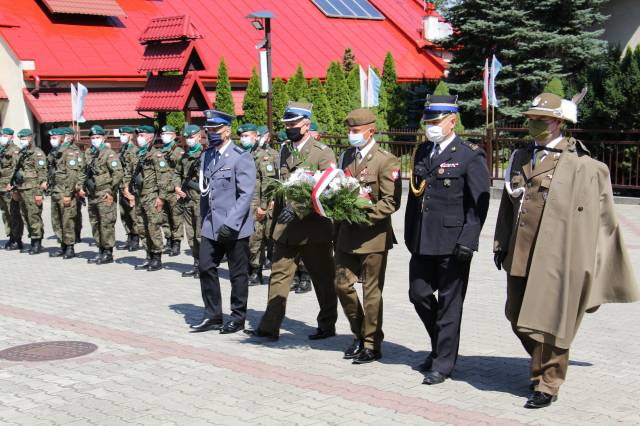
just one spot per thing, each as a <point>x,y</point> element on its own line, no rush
<point>354,350</point>
<point>367,356</point>
<point>433,378</point>
<point>540,400</point>
<point>322,334</point>
<point>15,245</point>
<point>58,252</point>
<point>95,259</point>
<point>426,364</point>
<point>206,324</point>
<point>8,244</point>
<point>232,327</point>
<point>194,271</point>
<point>175,248</point>
<point>258,333</point>
<point>156,263</point>
<point>107,257</point>
<point>69,253</point>
<point>36,247</point>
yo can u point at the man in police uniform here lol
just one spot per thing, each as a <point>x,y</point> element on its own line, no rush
<point>188,193</point>
<point>446,209</point>
<point>102,182</point>
<point>228,177</point>
<point>362,249</point>
<point>309,237</point>
<point>9,206</point>
<point>128,216</point>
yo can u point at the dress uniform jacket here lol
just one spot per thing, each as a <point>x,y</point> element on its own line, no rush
<point>232,181</point>
<point>455,201</point>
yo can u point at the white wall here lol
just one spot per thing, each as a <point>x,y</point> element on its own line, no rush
<point>14,113</point>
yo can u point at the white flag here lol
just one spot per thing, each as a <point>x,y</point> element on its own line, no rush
<point>363,87</point>
<point>74,103</point>
<point>82,93</point>
<point>373,88</point>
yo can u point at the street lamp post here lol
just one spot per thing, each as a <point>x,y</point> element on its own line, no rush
<point>262,21</point>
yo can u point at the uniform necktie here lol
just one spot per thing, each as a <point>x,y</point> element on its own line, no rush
<point>216,157</point>
<point>359,157</point>
<point>436,150</point>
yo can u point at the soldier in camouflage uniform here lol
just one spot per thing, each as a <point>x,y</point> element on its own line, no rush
<point>30,180</point>
<point>172,216</point>
<point>143,180</point>
<point>65,183</point>
<point>130,220</point>
<point>188,193</point>
<point>103,177</point>
<point>9,206</point>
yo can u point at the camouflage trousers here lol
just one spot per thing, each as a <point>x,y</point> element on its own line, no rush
<point>31,212</point>
<point>259,241</point>
<point>11,218</point>
<point>172,218</point>
<point>191,219</point>
<point>151,222</point>
<point>103,221</point>
<point>64,218</point>
<point>130,219</point>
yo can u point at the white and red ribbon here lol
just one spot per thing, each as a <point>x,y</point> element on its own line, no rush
<point>327,176</point>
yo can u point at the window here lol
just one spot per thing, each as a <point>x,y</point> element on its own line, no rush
<point>355,9</point>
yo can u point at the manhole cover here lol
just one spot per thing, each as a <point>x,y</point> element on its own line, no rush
<point>47,351</point>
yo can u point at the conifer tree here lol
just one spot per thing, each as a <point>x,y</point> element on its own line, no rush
<point>297,86</point>
<point>280,100</point>
<point>338,95</point>
<point>554,86</point>
<point>348,60</point>
<point>224,99</point>
<point>353,81</point>
<point>321,109</point>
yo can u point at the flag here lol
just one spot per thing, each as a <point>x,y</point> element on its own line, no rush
<point>373,89</point>
<point>363,87</point>
<point>82,93</point>
<point>74,102</point>
<point>485,87</point>
<point>496,66</point>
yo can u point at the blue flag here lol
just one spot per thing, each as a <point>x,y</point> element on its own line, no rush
<point>496,66</point>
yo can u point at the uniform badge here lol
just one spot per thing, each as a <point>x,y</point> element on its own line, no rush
<point>440,171</point>
<point>269,168</point>
<point>162,163</point>
<point>114,163</point>
<point>395,174</point>
<point>40,162</point>
<point>447,183</point>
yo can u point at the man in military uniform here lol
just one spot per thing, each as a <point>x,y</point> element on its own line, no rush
<point>228,179</point>
<point>9,205</point>
<point>143,181</point>
<point>66,180</point>
<point>188,193</point>
<point>172,216</point>
<point>560,243</point>
<point>30,180</point>
<point>128,216</point>
<point>446,209</point>
<point>103,176</point>
<point>309,237</point>
<point>362,249</point>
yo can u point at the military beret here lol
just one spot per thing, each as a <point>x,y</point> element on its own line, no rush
<point>56,131</point>
<point>247,127</point>
<point>436,107</point>
<point>127,129</point>
<point>145,129</point>
<point>282,136</point>
<point>25,132</point>
<point>67,131</point>
<point>297,110</point>
<point>262,130</point>
<point>217,118</point>
<point>7,131</point>
<point>360,117</point>
<point>97,129</point>
<point>168,128</point>
<point>191,130</point>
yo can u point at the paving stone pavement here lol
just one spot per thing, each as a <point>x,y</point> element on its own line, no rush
<point>148,370</point>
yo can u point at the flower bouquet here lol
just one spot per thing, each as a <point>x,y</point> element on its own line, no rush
<point>329,193</point>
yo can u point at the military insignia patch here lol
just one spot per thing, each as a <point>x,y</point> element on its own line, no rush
<point>72,162</point>
<point>269,168</point>
<point>114,163</point>
<point>162,163</point>
<point>395,174</point>
<point>40,162</point>
<point>447,183</point>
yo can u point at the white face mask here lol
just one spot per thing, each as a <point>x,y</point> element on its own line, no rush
<point>357,140</point>
<point>68,139</point>
<point>247,142</point>
<point>141,140</point>
<point>124,138</point>
<point>55,142</point>
<point>191,142</point>
<point>434,133</point>
<point>166,139</point>
<point>261,141</point>
<point>96,142</point>
<point>4,140</point>
<point>22,143</point>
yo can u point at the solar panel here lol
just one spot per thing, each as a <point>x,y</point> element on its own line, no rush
<point>355,9</point>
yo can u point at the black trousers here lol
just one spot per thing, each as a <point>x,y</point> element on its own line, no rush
<point>211,253</point>
<point>441,316</point>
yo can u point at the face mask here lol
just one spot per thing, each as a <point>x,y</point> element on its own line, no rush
<point>294,134</point>
<point>124,138</point>
<point>434,133</point>
<point>96,142</point>
<point>191,142</point>
<point>55,142</point>
<point>538,129</point>
<point>22,143</point>
<point>215,139</point>
<point>4,140</point>
<point>166,139</point>
<point>141,140</point>
<point>357,140</point>
<point>261,141</point>
<point>246,142</point>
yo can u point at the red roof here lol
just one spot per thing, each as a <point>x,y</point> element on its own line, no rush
<point>169,28</point>
<point>111,50</point>
<point>3,94</point>
<point>174,93</point>
<point>85,7</point>
<point>170,57</point>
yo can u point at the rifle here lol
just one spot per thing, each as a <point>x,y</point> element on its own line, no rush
<point>135,186</point>
<point>17,178</point>
<point>186,183</point>
<point>171,162</point>
<point>51,170</point>
<point>90,181</point>
<point>123,151</point>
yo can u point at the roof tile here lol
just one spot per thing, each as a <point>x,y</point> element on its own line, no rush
<point>172,56</point>
<point>171,93</point>
<point>169,28</point>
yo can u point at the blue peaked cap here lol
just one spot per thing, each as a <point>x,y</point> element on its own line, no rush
<point>217,118</point>
<point>436,107</point>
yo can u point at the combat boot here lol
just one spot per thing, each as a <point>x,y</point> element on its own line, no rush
<point>175,248</point>
<point>69,253</point>
<point>167,246</point>
<point>156,262</point>
<point>145,265</point>
<point>256,277</point>
<point>305,283</point>
<point>16,245</point>
<point>8,244</point>
<point>36,246</point>
<point>194,271</point>
<point>107,257</point>
<point>134,245</point>
<point>60,252</point>
<point>126,245</point>
<point>95,259</point>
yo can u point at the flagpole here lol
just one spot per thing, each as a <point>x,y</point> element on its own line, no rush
<point>486,112</point>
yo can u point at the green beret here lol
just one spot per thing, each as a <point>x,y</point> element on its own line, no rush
<point>313,127</point>
<point>6,131</point>
<point>262,130</point>
<point>97,129</point>
<point>168,128</point>
<point>56,131</point>
<point>191,130</point>
<point>282,136</point>
<point>247,127</point>
<point>145,129</point>
<point>127,129</point>
<point>360,117</point>
<point>67,131</point>
<point>25,132</point>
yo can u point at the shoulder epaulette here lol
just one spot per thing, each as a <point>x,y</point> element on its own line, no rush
<point>238,149</point>
<point>319,145</point>
<point>470,145</point>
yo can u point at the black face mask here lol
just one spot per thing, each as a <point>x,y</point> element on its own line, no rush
<point>215,139</point>
<point>294,134</point>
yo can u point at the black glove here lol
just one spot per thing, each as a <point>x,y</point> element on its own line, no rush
<point>225,233</point>
<point>286,215</point>
<point>498,258</point>
<point>462,254</point>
